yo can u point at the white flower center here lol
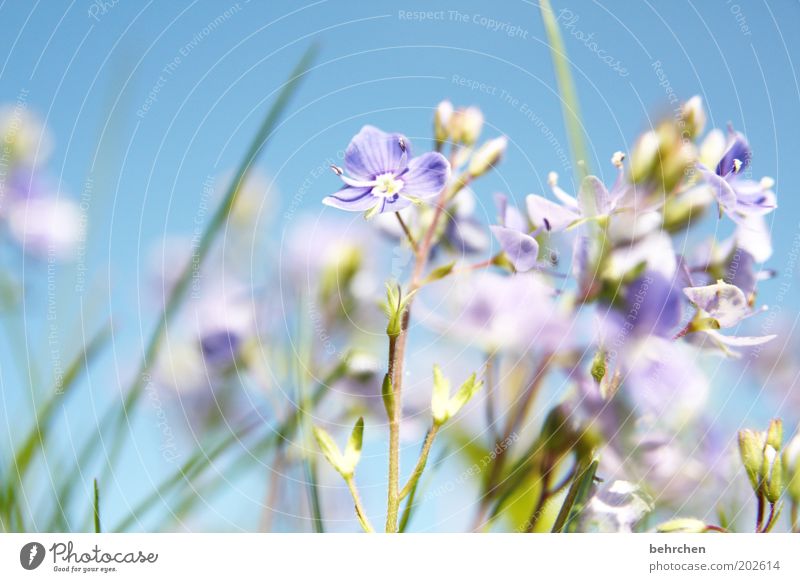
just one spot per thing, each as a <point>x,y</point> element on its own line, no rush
<point>386,186</point>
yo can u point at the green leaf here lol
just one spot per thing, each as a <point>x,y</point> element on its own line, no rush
<point>441,396</point>
<point>387,393</point>
<point>352,453</point>
<point>465,393</point>
<point>576,498</point>
<point>97,528</point>
<point>440,273</point>
<point>330,450</point>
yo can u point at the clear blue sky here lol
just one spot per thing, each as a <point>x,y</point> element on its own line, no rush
<point>148,99</point>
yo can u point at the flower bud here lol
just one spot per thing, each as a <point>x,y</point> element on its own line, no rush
<point>644,157</point>
<point>471,124</point>
<point>772,474</point>
<point>791,467</point>
<point>441,121</point>
<point>682,525</point>
<point>751,451</point>
<point>693,116</point>
<point>775,434</point>
<point>488,155</point>
<point>443,406</point>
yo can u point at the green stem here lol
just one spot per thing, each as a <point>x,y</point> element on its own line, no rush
<point>362,515</point>
<point>421,462</point>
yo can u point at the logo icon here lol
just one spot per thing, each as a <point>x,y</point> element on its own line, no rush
<point>31,555</point>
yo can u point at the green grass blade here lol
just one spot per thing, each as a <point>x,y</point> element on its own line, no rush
<point>37,434</point>
<point>115,418</point>
<point>569,96</point>
<point>576,496</point>
<point>97,528</point>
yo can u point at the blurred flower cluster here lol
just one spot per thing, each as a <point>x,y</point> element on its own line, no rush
<point>35,214</point>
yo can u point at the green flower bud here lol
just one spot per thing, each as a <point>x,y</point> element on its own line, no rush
<point>775,434</point>
<point>443,406</point>
<point>791,468</point>
<point>772,474</point>
<point>345,464</point>
<point>693,117</point>
<point>751,451</point>
<point>441,121</point>
<point>487,156</point>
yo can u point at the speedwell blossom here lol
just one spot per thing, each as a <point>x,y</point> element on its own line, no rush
<point>722,306</point>
<point>383,177</point>
<point>512,234</point>
<point>738,197</point>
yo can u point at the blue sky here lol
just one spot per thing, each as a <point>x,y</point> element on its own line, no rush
<point>146,100</point>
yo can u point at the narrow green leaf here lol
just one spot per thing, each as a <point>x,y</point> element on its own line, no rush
<point>352,452</point>
<point>440,273</point>
<point>463,395</point>
<point>114,417</point>
<point>387,393</point>
<point>441,396</point>
<point>329,449</point>
<point>566,87</point>
<point>97,528</point>
<point>576,497</point>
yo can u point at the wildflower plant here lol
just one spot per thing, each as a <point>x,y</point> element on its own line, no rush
<point>618,335</point>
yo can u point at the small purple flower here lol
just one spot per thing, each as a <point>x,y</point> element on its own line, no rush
<point>722,306</point>
<point>512,234</point>
<point>382,175</point>
<point>737,196</point>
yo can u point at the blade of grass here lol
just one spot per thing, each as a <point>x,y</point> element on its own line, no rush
<point>97,528</point>
<point>576,496</point>
<point>569,97</point>
<point>115,417</point>
<point>203,459</point>
<point>37,434</point>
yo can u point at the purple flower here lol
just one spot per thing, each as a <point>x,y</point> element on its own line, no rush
<point>722,306</point>
<point>512,234</point>
<point>738,196</point>
<point>382,175</point>
<point>653,306</point>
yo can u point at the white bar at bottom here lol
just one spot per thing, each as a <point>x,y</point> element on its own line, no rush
<point>408,558</point>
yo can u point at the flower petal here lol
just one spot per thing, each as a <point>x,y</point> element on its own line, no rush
<point>722,190</point>
<point>724,302</point>
<point>426,175</point>
<point>352,199</point>
<point>738,149</point>
<point>752,235</point>
<point>739,340</point>
<point>373,152</point>
<point>522,249</point>
<point>552,216</point>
